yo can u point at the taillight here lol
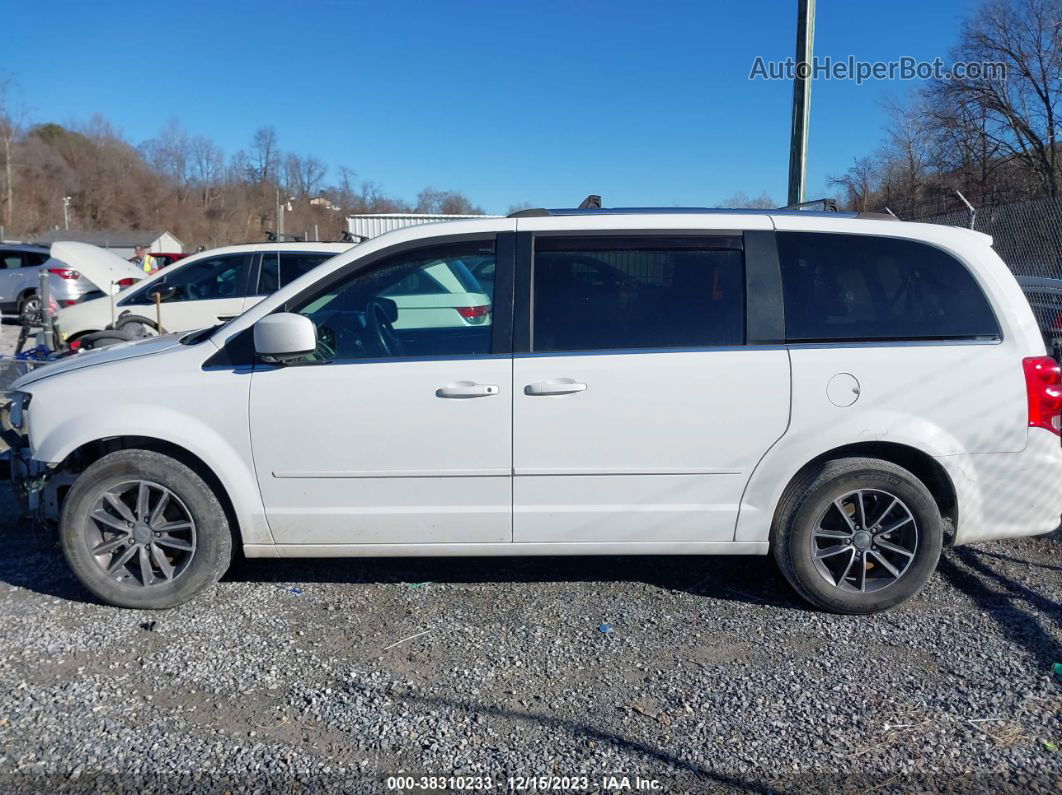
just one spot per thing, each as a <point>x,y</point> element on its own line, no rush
<point>67,302</point>
<point>474,314</point>
<point>127,282</point>
<point>1043,385</point>
<point>65,273</point>
<point>75,345</point>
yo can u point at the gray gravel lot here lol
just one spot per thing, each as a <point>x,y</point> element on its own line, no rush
<point>713,676</point>
<point>294,676</point>
<point>8,338</point>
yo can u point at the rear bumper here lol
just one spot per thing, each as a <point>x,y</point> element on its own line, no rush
<point>1008,495</point>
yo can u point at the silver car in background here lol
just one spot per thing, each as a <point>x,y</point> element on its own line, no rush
<point>78,270</point>
<point>19,277</point>
<point>74,270</point>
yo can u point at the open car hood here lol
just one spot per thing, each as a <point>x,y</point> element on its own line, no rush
<point>108,355</point>
<point>99,266</point>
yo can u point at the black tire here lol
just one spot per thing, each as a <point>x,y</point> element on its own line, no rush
<point>29,307</point>
<point>139,325</point>
<point>202,566</point>
<point>806,506</point>
<point>102,339</point>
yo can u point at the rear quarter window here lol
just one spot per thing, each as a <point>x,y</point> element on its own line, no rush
<point>867,288</point>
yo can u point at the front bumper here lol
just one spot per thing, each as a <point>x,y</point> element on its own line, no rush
<point>1008,495</point>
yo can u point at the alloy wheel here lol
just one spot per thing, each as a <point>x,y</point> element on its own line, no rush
<point>140,533</point>
<point>865,540</point>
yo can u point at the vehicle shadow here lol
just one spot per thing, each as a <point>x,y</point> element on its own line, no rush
<point>34,561</point>
<point>1008,602</point>
<point>749,579</point>
<point>700,776</point>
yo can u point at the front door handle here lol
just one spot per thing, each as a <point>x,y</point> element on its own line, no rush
<point>466,389</point>
<point>562,386</point>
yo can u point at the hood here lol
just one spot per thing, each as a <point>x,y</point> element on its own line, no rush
<point>108,355</point>
<point>99,266</point>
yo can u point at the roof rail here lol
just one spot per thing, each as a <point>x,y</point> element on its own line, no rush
<point>826,205</point>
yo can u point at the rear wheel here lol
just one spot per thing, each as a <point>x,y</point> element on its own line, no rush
<point>142,530</point>
<point>858,535</point>
<point>29,307</point>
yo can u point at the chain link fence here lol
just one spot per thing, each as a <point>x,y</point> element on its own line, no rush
<point>1028,237</point>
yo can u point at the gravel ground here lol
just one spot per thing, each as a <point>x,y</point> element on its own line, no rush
<point>8,338</point>
<point>295,676</point>
<point>311,675</point>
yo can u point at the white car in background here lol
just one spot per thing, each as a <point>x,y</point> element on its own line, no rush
<point>198,291</point>
<point>217,285</point>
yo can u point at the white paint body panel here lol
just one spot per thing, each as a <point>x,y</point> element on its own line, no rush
<point>658,447</point>
<point>376,457</point>
<point>372,463</point>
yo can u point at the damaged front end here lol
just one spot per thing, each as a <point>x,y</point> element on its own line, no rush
<point>36,484</point>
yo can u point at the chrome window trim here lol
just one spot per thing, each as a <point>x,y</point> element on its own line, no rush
<point>797,346</point>
<point>631,351</point>
<point>638,351</point>
<point>454,357</point>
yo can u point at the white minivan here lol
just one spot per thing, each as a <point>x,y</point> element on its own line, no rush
<point>841,392</point>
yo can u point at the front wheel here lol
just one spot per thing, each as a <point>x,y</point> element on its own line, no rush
<point>142,530</point>
<point>858,535</point>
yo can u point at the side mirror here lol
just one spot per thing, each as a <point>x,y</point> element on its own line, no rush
<point>284,336</point>
<point>164,293</point>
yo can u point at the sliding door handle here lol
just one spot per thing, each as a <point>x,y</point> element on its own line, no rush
<point>562,386</point>
<point>466,389</point>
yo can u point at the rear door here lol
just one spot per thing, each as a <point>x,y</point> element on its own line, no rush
<point>278,268</point>
<point>640,406</point>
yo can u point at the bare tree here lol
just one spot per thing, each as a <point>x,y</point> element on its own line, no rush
<point>170,155</point>
<point>1022,109</point>
<point>858,183</point>
<point>304,175</point>
<point>12,119</point>
<point>263,160</point>
<point>445,202</point>
<point>741,200</point>
<point>206,165</point>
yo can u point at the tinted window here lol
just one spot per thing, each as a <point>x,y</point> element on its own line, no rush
<point>279,269</point>
<point>32,259</point>
<point>422,303</point>
<point>859,287</point>
<point>207,279</point>
<point>10,260</point>
<point>599,294</point>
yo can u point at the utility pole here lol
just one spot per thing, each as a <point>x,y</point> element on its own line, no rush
<point>798,144</point>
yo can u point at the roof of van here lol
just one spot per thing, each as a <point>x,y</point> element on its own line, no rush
<point>539,212</point>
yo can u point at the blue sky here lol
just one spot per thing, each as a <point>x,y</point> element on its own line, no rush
<point>544,102</point>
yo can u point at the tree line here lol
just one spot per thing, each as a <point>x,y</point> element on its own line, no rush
<point>995,140</point>
<point>180,182</point>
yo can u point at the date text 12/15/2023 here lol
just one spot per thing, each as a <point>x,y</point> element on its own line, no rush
<point>609,783</point>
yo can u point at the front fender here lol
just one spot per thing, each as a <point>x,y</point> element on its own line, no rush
<point>202,413</point>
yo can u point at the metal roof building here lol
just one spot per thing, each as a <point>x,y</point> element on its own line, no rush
<point>365,226</point>
<point>121,242</point>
